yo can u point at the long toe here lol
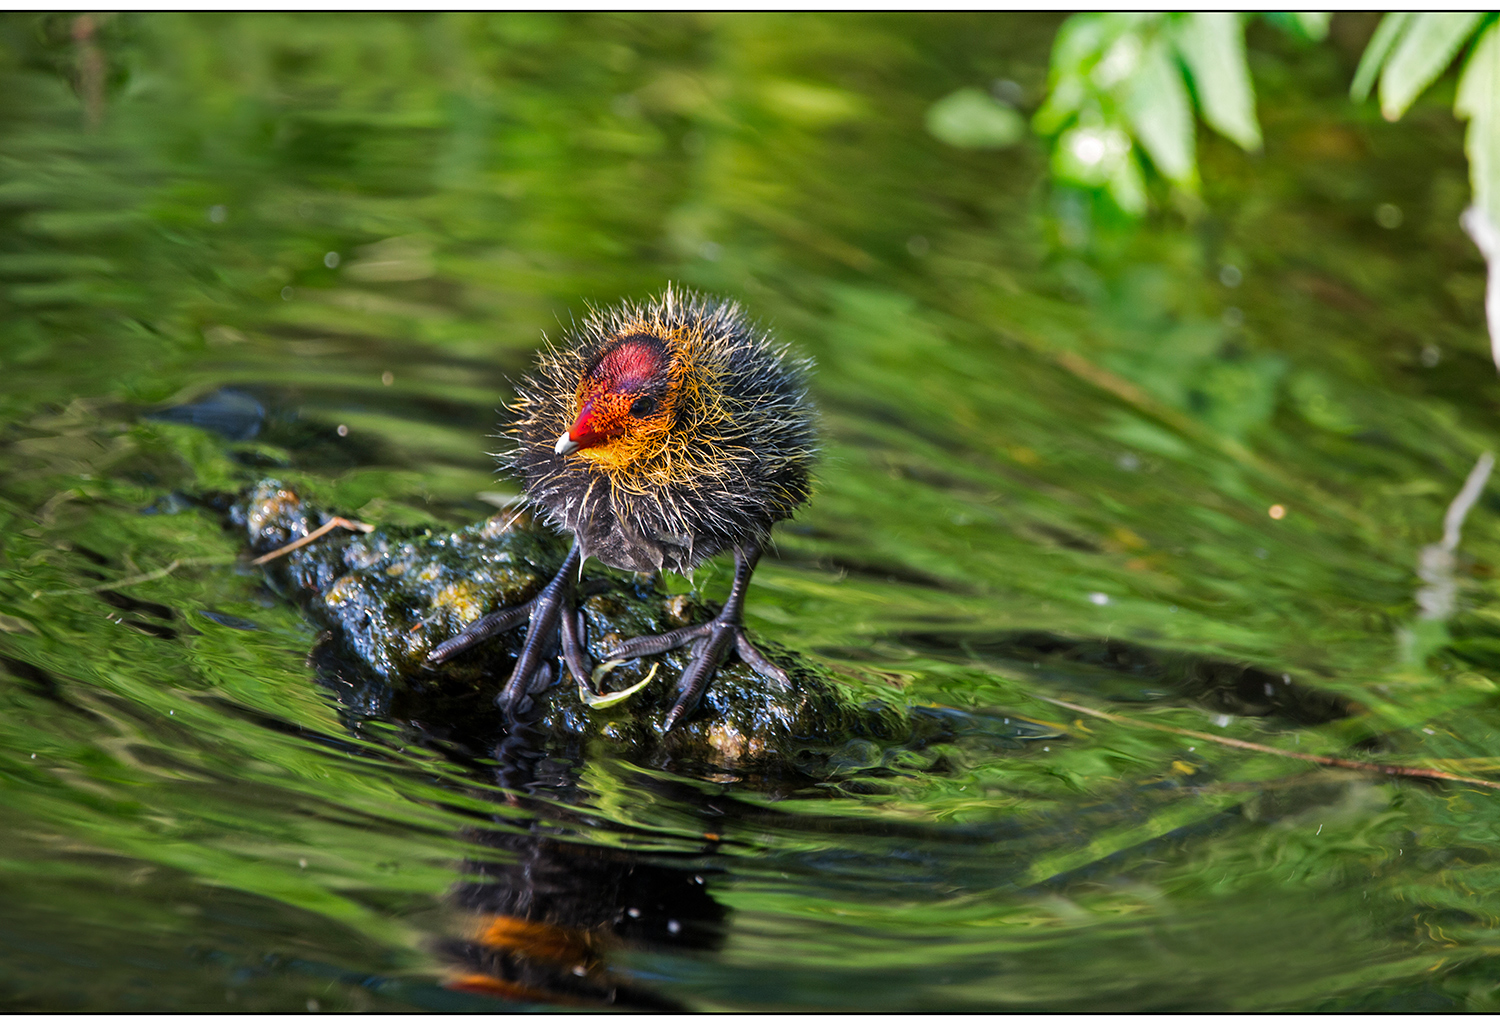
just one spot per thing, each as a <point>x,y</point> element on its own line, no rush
<point>762,665</point>
<point>655,644</point>
<point>480,630</point>
<point>575,647</point>
<point>707,655</point>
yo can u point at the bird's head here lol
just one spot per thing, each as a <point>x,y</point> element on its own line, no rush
<point>626,401</point>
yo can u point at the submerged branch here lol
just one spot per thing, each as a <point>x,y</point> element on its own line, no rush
<point>1436,562</point>
<point>1338,763</point>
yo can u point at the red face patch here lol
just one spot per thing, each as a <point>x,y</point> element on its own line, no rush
<point>631,365</point>
<point>611,394</point>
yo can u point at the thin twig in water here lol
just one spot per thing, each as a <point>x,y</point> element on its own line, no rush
<point>1338,763</point>
<point>156,574</point>
<point>311,536</point>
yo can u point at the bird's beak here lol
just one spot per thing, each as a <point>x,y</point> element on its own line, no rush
<point>565,445</point>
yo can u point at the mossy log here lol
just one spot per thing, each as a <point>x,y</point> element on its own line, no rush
<point>389,596</point>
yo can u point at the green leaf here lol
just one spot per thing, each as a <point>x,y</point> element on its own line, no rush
<point>1078,42</point>
<point>1127,186</point>
<point>972,119</point>
<point>1090,155</point>
<point>1084,37</point>
<point>1314,24</point>
<point>612,698</point>
<point>1425,51</point>
<point>1159,111</point>
<point>1212,44</point>
<point>1479,101</point>
<point>1067,98</point>
<point>1387,34</point>
<point>1305,26</point>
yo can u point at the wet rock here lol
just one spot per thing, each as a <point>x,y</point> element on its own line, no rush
<point>389,596</point>
<point>228,412</point>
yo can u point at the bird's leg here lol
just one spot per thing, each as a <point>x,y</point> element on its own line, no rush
<point>714,639</point>
<point>553,604</point>
<point>552,614</point>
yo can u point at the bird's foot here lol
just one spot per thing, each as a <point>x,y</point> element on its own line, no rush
<point>711,642</point>
<point>553,620</point>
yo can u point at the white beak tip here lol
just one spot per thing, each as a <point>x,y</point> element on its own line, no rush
<point>565,445</point>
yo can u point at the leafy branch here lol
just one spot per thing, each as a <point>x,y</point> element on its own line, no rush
<point>1123,89</point>
<point>1408,52</point>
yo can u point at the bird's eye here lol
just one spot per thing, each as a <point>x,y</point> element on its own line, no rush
<point>643,406</point>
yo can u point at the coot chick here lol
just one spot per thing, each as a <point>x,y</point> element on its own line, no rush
<point>658,435</point>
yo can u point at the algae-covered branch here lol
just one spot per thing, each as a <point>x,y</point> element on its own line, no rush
<point>388,598</point>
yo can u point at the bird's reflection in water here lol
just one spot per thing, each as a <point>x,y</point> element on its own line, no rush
<point>548,918</point>
<point>547,914</point>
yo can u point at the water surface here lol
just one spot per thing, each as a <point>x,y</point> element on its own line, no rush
<point>319,247</point>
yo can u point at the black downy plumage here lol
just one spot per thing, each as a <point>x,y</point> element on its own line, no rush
<point>658,435</point>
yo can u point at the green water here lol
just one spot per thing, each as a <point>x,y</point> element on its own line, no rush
<point>1051,444</point>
